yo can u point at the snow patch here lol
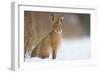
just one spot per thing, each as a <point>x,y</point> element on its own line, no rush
<point>70,50</point>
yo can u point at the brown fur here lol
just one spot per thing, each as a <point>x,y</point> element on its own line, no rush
<point>50,43</point>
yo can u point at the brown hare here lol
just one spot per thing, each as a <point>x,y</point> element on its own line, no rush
<point>51,43</point>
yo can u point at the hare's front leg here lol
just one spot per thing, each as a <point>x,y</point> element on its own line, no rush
<point>54,53</point>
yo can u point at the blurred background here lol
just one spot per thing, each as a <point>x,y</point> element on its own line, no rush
<point>75,32</point>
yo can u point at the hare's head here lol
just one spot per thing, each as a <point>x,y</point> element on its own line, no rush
<point>57,23</point>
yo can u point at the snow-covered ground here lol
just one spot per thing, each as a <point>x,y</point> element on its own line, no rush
<point>70,50</point>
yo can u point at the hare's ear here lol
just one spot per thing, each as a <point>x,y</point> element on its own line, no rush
<point>52,17</point>
<point>61,18</point>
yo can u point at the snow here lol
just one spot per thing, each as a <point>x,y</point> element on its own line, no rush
<point>70,50</point>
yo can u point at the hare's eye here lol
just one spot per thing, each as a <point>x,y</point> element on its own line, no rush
<point>60,21</point>
<point>61,18</point>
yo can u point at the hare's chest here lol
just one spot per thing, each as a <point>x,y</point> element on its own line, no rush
<point>56,35</point>
<point>56,38</point>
